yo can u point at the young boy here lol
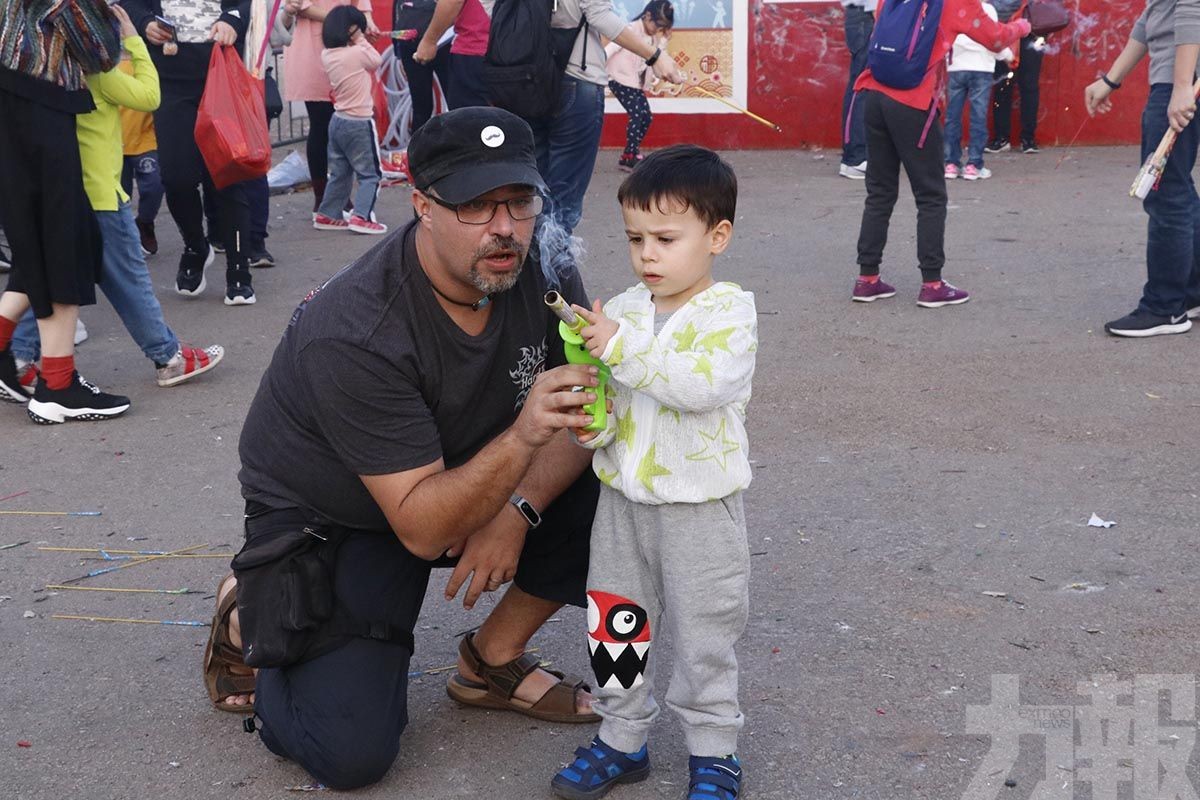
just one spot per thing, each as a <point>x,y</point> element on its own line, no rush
<point>902,128</point>
<point>669,538</point>
<point>971,69</point>
<point>1171,297</point>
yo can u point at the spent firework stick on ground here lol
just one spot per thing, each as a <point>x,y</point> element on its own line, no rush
<point>190,623</point>
<point>106,570</point>
<point>1150,174</point>
<point>53,513</point>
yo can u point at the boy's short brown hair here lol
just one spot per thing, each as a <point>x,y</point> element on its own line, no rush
<point>685,173</point>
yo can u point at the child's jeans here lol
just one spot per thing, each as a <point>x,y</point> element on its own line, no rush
<point>125,281</point>
<point>144,168</point>
<point>977,87</point>
<point>1173,236</point>
<point>353,151</point>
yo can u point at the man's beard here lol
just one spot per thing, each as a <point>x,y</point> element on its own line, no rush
<point>494,284</point>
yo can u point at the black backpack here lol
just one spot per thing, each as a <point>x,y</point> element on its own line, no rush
<point>525,60</point>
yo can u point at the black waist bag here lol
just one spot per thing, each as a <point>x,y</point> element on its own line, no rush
<point>287,607</point>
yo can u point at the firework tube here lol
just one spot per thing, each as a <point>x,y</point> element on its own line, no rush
<point>569,326</point>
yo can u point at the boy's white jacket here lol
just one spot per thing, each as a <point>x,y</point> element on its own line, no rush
<point>677,432</point>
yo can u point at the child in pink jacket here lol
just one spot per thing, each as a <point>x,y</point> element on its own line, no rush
<point>629,76</point>
<point>350,61</point>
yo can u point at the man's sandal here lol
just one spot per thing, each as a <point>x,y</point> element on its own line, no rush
<point>221,658</point>
<point>500,682</point>
<point>596,769</point>
<point>714,778</point>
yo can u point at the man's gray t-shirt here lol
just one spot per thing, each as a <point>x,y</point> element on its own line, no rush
<point>373,377</point>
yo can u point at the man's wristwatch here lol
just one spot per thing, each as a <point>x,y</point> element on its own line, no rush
<point>527,510</point>
<point>650,61</point>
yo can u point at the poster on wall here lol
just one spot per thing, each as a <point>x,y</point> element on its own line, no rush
<point>709,43</point>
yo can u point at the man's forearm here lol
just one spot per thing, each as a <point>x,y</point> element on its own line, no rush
<point>555,467</point>
<point>635,45</point>
<point>447,506</point>
<point>443,17</point>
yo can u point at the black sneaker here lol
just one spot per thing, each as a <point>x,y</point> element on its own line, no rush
<point>260,256</point>
<point>190,281</point>
<point>149,239</point>
<point>82,400</point>
<point>997,146</point>
<point>216,244</point>
<point>238,291</point>
<point>1029,147</point>
<point>10,380</point>
<point>1140,325</point>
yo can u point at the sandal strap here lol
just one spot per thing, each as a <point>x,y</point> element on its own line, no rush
<point>716,781</point>
<point>502,680</point>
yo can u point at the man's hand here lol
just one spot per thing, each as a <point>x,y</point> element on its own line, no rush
<point>127,28</point>
<point>551,404</point>
<point>156,34</point>
<point>426,52</point>
<point>223,33</point>
<point>599,330</point>
<point>584,436</point>
<point>1023,28</point>
<point>489,556</point>
<point>666,68</point>
<point>1096,98</point>
<point>1182,108</point>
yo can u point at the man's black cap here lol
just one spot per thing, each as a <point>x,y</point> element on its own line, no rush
<point>467,152</point>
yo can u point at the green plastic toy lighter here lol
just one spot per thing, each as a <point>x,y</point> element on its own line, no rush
<point>569,326</point>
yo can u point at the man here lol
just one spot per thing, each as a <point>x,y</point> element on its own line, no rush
<point>860,22</point>
<point>1026,75</point>
<point>408,409</point>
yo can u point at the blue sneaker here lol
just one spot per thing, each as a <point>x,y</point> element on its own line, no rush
<point>596,769</point>
<point>714,778</point>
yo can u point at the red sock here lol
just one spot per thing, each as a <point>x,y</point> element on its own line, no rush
<point>931,284</point>
<point>57,371</point>
<point>869,278</point>
<point>7,326</point>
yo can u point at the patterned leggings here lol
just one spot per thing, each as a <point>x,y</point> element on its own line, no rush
<point>638,107</point>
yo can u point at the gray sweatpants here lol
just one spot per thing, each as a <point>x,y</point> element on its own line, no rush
<point>685,564</point>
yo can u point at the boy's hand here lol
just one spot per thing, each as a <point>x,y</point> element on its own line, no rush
<point>599,329</point>
<point>1096,98</point>
<point>1182,108</point>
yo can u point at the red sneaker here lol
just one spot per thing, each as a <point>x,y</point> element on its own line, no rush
<point>360,225</point>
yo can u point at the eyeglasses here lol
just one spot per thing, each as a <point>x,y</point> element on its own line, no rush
<point>481,212</point>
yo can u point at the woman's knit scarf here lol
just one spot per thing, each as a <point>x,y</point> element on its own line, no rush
<point>58,40</point>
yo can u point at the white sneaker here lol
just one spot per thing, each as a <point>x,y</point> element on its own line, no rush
<point>853,172</point>
<point>1193,313</point>
<point>974,173</point>
<point>81,333</point>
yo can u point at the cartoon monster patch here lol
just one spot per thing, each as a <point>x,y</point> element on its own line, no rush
<point>619,640</point>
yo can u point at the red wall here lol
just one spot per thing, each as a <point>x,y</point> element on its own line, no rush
<point>798,65</point>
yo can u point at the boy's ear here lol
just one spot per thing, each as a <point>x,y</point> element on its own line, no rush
<point>719,237</point>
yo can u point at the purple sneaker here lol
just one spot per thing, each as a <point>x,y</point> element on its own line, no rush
<point>865,292</point>
<point>941,295</point>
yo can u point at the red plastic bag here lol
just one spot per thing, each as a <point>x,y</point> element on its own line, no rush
<point>231,126</point>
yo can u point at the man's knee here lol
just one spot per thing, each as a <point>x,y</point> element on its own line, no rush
<point>352,763</point>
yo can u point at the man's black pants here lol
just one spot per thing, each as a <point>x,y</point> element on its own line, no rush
<point>341,714</point>
<point>1028,76</point>
<point>893,133</point>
